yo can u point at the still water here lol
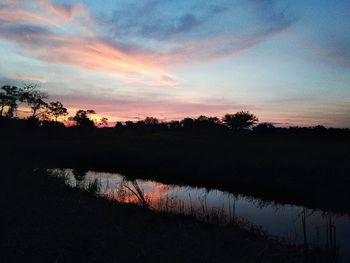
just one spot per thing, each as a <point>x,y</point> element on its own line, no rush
<point>295,224</point>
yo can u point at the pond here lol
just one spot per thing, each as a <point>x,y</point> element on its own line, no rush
<point>296,224</point>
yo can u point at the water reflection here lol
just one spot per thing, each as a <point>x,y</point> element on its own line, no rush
<point>295,224</point>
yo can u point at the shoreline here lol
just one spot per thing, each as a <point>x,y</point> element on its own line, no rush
<point>56,222</point>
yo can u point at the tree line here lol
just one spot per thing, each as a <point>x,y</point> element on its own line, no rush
<point>53,113</point>
<point>31,98</point>
<point>238,121</point>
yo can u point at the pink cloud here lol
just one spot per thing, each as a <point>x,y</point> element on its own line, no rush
<point>45,11</point>
<point>55,43</point>
<point>86,51</point>
<point>132,108</point>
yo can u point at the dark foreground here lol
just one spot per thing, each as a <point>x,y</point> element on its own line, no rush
<point>43,220</point>
<point>307,168</point>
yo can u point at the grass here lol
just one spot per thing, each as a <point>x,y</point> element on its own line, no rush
<point>44,220</point>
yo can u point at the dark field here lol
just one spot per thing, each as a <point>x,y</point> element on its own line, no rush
<point>46,221</point>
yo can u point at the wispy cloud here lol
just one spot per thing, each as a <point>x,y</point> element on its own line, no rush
<point>45,13</point>
<point>335,50</point>
<point>68,34</point>
<point>25,77</point>
<point>191,31</point>
<point>44,35</point>
<point>139,107</point>
<point>325,32</point>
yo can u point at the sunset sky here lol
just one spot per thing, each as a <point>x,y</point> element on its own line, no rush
<point>288,62</point>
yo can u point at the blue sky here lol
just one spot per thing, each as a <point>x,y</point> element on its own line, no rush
<point>288,62</point>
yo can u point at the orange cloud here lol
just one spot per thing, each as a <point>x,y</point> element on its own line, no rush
<point>86,51</point>
<point>96,55</point>
<point>67,34</point>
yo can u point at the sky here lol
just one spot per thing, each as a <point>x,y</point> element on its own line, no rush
<point>286,61</point>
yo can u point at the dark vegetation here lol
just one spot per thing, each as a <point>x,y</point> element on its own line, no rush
<point>43,220</point>
<point>301,165</point>
<point>307,166</point>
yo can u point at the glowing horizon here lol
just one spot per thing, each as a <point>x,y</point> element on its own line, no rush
<point>287,62</point>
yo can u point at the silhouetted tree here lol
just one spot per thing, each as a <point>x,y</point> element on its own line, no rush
<point>174,125</point>
<point>187,123</point>
<point>3,102</point>
<point>82,118</point>
<point>9,98</point>
<point>34,98</point>
<point>118,125</point>
<point>240,121</point>
<point>264,127</point>
<point>129,124</point>
<point>204,122</point>
<point>150,121</point>
<point>320,128</point>
<point>103,122</point>
<point>140,124</point>
<point>57,110</point>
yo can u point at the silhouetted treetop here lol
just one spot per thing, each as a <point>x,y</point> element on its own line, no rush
<point>187,123</point>
<point>150,121</point>
<point>264,127</point>
<point>9,97</point>
<point>103,122</point>
<point>56,109</point>
<point>82,118</point>
<point>204,122</point>
<point>34,98</point>
<point>240,121</point>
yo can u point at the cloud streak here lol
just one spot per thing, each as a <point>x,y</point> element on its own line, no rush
<point>25,77</point>
<point>197,32</point>
<point>68,34</point>
<point>40,39</point>
<point>134,108</point>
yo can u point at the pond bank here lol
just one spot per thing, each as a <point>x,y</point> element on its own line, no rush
<point>44,220</point>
